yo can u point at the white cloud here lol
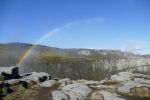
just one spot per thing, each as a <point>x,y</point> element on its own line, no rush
<point>135,46</point>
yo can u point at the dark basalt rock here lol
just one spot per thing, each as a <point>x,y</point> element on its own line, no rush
<point>28,74</point>
<point>49,77</point>
<point>42,79</point>
<point>6,76</point>
<point>56,79</point>
<point>10,81</point>
<point>1,77</point>
<point>7,85</point>
<point>24,84</point>
<point>9,90</point>
<point>15,73</point>
<point>1,96</point>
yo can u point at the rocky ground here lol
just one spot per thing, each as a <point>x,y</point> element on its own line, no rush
<point>41,86</point>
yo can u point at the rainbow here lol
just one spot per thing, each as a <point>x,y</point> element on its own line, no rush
<point>28,52</point>
<point>25,55</point>
<point>50,33</point>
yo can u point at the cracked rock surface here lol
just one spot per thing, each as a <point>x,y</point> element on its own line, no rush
<point>40,86</point>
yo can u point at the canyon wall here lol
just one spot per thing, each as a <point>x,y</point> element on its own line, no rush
<point>88,69</point>
<point>72,63</point>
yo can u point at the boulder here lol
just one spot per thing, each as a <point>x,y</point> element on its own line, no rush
<point>110,88</point>
<point>104,95</point>
<point>2,85</point>
<point>142,80</point>
<point>6,76</point>
<point>35,77</point>
<point>74,95</point>
<point>132,88</point>
<point>2,78</point>
<point>64,82</point>
<point>9,73</point>
<point>77,90</point>
<point>24,84</point>
<point>15,73</point>
<point>48,83</point>
<point>7,70</point>
<point>59,95</point>
<point>42,79</point>
<point>122,76</point>
<point>89,82</point>
<point>11,82</point>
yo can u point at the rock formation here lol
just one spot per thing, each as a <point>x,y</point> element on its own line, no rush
<point>41,86</point>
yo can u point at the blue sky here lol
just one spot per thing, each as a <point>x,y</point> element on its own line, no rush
<point>99,24</point>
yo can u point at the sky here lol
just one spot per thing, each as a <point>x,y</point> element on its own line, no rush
<point>94,24</point>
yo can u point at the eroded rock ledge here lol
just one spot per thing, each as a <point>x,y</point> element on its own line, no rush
<point>41,86</point>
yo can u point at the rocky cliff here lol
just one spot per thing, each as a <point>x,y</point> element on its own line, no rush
<point>41,86</point>
<point>72,63</point>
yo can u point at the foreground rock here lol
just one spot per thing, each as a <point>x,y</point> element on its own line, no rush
<point>132,88</point>
<point>75,91</point>
<point>104,95</point>
<point>40,86</point>
<point>48,83</point>
<point>7,73</point>
<point>59,95</point>
<point>122,76</point>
